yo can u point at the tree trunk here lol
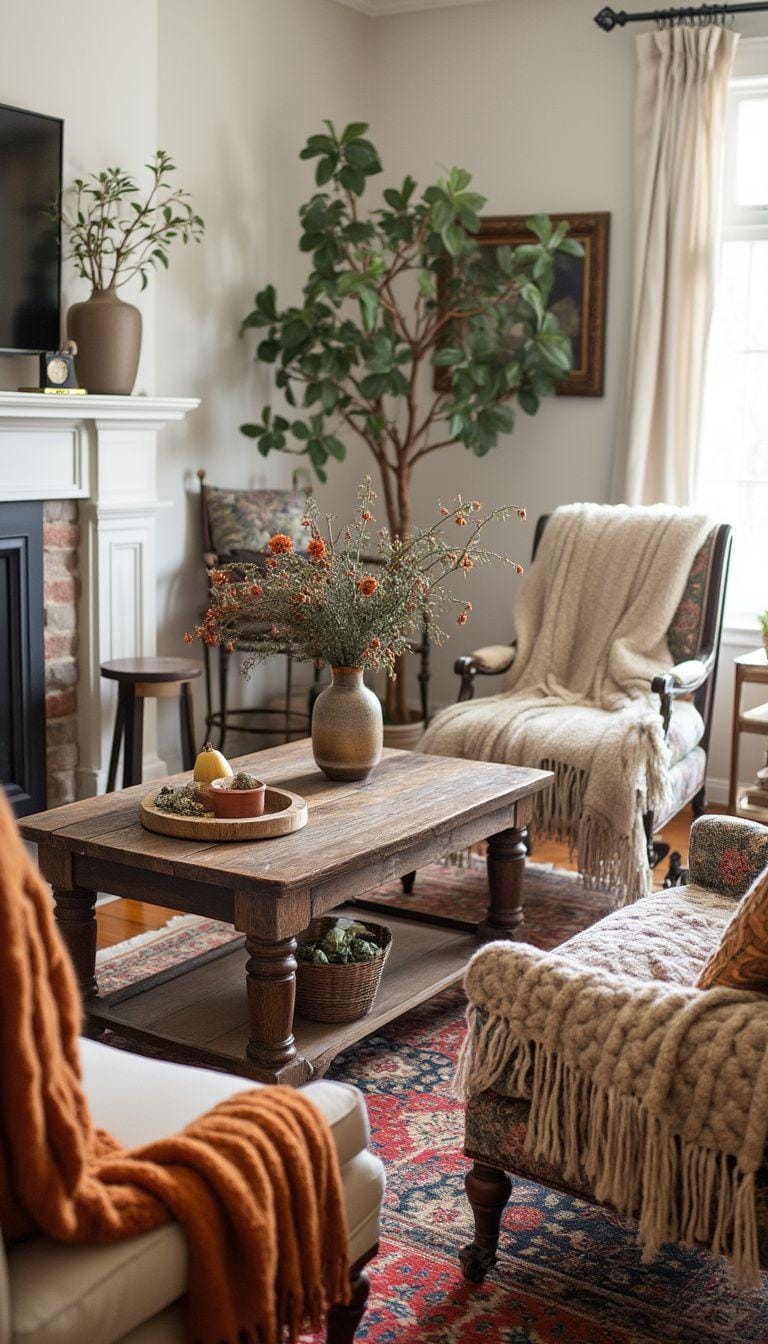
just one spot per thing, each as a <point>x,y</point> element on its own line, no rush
<point>400,524</point>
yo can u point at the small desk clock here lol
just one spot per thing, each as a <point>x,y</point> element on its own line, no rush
<point>57,371</point>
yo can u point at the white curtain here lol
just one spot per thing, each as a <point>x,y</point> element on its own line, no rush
<point>679,119</point>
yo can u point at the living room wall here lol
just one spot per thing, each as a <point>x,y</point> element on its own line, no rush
<point>241,84</point>
<point>66,61</point>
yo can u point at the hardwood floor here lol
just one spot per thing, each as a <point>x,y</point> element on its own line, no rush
<point>118,920</point>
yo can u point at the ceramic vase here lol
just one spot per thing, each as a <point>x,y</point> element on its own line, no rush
<point>108,335</point>
<point>347,726</point>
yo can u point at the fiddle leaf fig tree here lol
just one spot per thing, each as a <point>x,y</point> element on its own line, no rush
<point>392,295</point>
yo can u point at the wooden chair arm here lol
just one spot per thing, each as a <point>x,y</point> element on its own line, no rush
<point>670,687</point>
<point>490,662</point>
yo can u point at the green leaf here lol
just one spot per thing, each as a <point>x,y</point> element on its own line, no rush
<point>453,239</point>
<point>335,447</point>
<point>353,131</point>
<point>324,171</point>
<point>373,386</point>
<point>541,225</point>
<point>369,305</point>
<point>299,430</point>
<point>529,402</point>
<point>447,356</point>
<point>268,351</point>
<point>352,179</point>
<point>252,431</point>
<point>572,246</point>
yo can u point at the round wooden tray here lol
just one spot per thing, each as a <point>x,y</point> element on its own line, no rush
<point>283,812</point>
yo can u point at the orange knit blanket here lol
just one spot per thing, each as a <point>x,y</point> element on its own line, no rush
<point>254,1184</point>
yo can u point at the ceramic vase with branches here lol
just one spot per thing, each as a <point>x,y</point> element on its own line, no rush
<point>114,235</point>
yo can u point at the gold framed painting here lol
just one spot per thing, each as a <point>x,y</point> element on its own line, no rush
<point>579,294</point>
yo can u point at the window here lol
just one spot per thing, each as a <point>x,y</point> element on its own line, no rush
<point>733,462</point>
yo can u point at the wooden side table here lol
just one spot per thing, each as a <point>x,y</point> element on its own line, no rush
<point>138,679</point>
<point>751,668</point>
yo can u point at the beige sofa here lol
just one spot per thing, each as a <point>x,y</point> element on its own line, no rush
<point>132,1292</point>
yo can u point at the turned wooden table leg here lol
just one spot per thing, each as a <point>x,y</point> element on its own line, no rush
<point>342,1321</point>
<point>74,911</point>
<point>271,982</point>
<point>506,870</point>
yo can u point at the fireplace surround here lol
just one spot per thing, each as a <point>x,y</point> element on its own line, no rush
<point>86,468</point>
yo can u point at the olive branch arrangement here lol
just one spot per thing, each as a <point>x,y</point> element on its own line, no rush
<point>336,602</point>
<point>113,237</point>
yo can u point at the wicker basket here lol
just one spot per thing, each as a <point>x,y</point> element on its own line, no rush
<point>343,992</point>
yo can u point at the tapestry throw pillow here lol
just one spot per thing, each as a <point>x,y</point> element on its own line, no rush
<point>741,959</point>
<point>244,520</point>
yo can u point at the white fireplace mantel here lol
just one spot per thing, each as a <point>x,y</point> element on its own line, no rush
<point>103,451</point>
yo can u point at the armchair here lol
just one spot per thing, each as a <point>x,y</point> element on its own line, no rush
<point>132,1292</point>
<point>664,939</point>
<point>694,643</point>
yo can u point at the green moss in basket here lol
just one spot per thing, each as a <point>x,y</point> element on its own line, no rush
<point>242,780</point>
<point>341,945</point>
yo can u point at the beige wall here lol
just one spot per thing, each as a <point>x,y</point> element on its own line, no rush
<point>85,63</point>
<point>241,85</point>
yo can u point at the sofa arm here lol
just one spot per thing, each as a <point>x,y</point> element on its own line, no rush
<point>727,854</point>
<point>490,661</point>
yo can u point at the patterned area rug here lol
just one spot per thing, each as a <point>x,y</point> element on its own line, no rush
<point>568,1273</point>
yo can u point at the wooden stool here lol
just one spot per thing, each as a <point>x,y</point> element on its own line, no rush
<point>138,678</point>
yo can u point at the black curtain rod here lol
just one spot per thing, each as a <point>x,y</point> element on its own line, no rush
<point>608,19</point>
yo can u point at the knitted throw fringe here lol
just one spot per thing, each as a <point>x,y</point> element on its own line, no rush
<point>675,1189</point>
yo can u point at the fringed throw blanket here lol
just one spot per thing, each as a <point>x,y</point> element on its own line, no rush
<point>591,622</point>
<point>254,1183</point>
<point>654,1095</point>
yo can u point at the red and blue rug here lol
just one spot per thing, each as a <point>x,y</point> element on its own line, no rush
<point>568,1272</point>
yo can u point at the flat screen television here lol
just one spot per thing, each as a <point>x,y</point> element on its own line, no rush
<point>30,241</point>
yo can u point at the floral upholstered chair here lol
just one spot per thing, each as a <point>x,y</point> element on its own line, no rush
<point>727,856</point>
<point>686,693</point>
<point>236,526</point>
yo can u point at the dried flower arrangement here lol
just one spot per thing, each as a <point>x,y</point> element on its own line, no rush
<point>338,604</point>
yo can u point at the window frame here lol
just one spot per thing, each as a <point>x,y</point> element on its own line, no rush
<point>741,224</point>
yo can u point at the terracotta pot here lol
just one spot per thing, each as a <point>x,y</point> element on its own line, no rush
<point>108,335</point>
<point>405,736</point>
<point>347,726</point>
<point>228,802</point>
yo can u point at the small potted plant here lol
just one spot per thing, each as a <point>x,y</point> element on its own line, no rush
<point>340,962</point>
<point>114,235</point>
<point>339,604</point>
<point>240,795</point>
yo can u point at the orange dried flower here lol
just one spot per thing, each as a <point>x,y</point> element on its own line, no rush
<point>367,516</point>
<point>306,522</point>
<point>187,637</point>
<point>462,618</point>
<point>467,562</point>
<point>444,511</point>
<point>461,520</point>
<point>317,549</point>
<point>375,642</point>
<point>280,544</point>
<point>367,585</point>
<point>218,577</point>
<point>522,514</point>
<point>255,590</point>
<point>520,569</point>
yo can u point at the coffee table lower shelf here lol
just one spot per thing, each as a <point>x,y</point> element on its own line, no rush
<point>200,1015</point>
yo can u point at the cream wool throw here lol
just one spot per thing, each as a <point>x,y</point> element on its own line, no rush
<point>653,1094</point>
<point>591,622</point>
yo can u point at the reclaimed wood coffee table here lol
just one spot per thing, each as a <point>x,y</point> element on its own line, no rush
<point>413,810</point>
